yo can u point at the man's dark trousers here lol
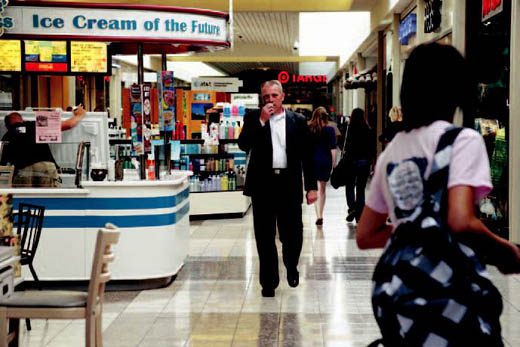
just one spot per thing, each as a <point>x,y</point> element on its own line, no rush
<point>276,207</point>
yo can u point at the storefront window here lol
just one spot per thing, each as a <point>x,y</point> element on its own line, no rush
<point>488,51</point>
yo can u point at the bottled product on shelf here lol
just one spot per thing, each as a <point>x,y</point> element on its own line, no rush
<point>213,183</point>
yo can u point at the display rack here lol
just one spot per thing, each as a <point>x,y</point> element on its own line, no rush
<point>216,189</point>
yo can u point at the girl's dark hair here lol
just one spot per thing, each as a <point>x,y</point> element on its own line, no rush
<point>357,120</point>
<point>436,81</point>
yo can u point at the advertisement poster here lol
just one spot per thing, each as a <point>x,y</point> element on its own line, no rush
<point>198,111</point>
<point>136,119</point>
<point>167,101</point>
<point>11,53</point>
<point>88,57</point>
<point>147,117</point>
<point>48,56</point>
<point>48,127</point>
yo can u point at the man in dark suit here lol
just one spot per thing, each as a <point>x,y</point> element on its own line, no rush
<point>277,141</point>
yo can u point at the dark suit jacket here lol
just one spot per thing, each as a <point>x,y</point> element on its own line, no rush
<point>255,140</point>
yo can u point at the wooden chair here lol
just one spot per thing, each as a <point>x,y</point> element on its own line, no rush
<point>63,304</point>
<point>30,223</point>
<point>6,176</point>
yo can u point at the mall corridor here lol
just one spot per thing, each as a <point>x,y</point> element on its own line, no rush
<point>216,299</point>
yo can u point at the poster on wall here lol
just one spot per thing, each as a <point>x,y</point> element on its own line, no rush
<point>136,118</point>
<point>45,56</point>
<point>167,101</point>
<point>198,111</point>
<point>147,117</point>
<point>48,127</point>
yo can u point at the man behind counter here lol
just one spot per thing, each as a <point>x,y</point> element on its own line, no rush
<point>34,165</point>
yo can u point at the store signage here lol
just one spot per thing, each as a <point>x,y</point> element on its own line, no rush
<point>147,117</point>
<point>6,22</point>
<point>407,28</point>
<point>48,126</point>
<point>218,84</point>
<point>90,57</point>
<point>432,15</point>
<point>167,100</point>
<point>136,118</point>
<point>45,56</point>
<point>11,53</point>
<point>285,77</point>
<point>115,23</point>
<point>491,8</point>
<point>249,100</point>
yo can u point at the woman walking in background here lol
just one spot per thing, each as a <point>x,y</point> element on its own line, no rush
<point>392,128</point>
<point>324,138</point>
<point>360,152</point>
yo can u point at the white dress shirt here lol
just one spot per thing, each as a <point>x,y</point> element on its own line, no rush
<point>277,124</point>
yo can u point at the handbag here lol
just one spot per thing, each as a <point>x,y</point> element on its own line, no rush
<point>338,177</point>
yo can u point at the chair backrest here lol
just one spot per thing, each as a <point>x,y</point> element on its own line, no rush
<point>106,237</point>
<point>30,222</point>
<point>6,175</point>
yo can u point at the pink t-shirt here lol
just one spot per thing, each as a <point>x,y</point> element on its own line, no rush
<point>397,186</point>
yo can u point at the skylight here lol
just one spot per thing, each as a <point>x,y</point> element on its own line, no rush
<point>332,33</point>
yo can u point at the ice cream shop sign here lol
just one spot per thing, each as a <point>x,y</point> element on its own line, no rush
<point>110,21</point>
<point>6,22</point>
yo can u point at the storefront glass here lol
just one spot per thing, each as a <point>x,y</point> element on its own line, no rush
<point>488,51</point>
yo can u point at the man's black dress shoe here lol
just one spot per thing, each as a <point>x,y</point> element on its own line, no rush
<point>351,215</point>
<point>267,292</point>
<point>293,278</point>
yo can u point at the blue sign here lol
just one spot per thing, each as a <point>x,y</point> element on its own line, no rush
<point>407,28</point>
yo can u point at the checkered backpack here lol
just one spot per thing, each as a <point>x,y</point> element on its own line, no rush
<point>430,289</point>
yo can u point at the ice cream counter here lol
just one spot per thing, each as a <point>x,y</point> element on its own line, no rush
<point>153,217</point>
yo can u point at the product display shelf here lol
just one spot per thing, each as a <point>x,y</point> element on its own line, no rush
<point>112,142</point>
<point>208,155</point>
<point>219,204</point>
<point>224,203</point>
<point>226,141</point>
<point>209,172</point>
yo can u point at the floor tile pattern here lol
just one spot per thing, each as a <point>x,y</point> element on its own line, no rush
<point>216,301</point>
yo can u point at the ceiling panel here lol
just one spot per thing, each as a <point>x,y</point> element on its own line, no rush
<point>275,29</point>
<point>235,68</point>
<point>362,5</point>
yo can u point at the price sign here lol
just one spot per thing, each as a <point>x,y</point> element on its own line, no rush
<point>88,57</point>
<point>11,53</point>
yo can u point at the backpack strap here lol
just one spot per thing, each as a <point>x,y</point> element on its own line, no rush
<point>439,174</point>
<point>434,207</point>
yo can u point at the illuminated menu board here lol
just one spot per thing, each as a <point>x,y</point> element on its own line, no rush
<point>88,57</point>
<point>11,53</point>
<point>46,56</point>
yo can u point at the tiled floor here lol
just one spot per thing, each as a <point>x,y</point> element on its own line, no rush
<point>216,300</point>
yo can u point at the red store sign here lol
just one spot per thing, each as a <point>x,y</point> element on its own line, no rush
<point>285,77</point>
<point>491,8</point>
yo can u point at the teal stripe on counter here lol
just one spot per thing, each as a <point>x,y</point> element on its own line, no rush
<point>126,203</point>
<point>134,221</point>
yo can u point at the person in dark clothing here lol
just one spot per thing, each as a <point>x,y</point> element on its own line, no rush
<point>276,141</point>
<point>393,127</point>
<point>324,139</point>
<point>360,150</point>
<point>34,165</point>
